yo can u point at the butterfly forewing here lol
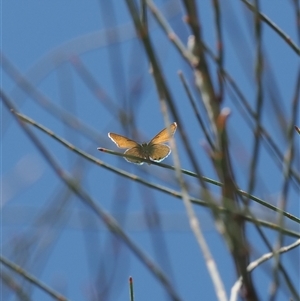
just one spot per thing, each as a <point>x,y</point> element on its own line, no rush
<point>165,135</point>
<point>122,141</point>
<point>159,152</point>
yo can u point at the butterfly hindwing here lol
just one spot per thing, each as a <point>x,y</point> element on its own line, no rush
<point>136,151</point>
<point>159,152</point>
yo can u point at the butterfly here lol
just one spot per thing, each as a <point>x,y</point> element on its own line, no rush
<point>154,150</point>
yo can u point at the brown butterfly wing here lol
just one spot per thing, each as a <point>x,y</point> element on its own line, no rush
<point>164,136</point>
<point>136,151</point>
<point>122,141</point>
<point>159,152</point>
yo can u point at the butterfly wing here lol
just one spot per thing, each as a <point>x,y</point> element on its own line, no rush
<point>122,141</point>
<point>159,152</point>
<point>136,151</point>
<point>165,135</point>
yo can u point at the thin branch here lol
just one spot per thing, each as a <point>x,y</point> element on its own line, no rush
<point>272,25</point>
<point>253,265</point>
<point>32,279</point>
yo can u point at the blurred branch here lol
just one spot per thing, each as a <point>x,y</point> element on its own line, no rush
<point>95,87</point>
<point>32,279</point>
<point>254,264</point>
<point>220,47</point>
<point>272,25</point>
<point>193,104</point>
<point>10,282</point>
<point>46,103</point>
<point>259,68</point>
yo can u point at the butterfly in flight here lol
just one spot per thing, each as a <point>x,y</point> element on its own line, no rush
<point>154,150</point>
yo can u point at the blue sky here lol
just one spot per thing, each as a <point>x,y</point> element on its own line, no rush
<point>48,230</point>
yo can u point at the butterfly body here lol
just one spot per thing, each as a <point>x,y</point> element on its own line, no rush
<point>154,150</point>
